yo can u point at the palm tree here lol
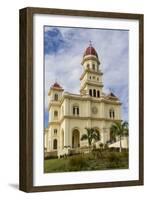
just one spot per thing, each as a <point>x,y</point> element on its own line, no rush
<point>92,134</point>
<point>119,129</point>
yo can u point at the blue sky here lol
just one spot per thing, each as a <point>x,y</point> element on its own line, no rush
<point>64,48</point>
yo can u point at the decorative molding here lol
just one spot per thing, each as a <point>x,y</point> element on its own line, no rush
<point>90,57</point>
<point>91,83</point>
<point>87,118</point>
<point>92,72</point>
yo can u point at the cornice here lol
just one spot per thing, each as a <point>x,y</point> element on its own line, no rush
<point>56,89</point>
<point>89,98</point>
<point>91,83</point>
<point>91,72</point>
<point>90,57</point>
<point>87,118</point>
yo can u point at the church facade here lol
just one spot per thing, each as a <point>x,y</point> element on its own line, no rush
<point>69,113</point>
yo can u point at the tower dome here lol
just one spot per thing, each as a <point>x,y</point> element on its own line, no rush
<point>56,85</point>
<point>90,54</point>
<point>90,51</point>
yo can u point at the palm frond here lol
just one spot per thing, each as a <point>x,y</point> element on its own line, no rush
<point>84,137</point>
<point>119,128</point>
<point>92,134</point>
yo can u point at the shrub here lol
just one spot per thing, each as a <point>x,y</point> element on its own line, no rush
<point>114,160</point>
<point>106,146</point>
<point>114,157</point>
<point>89,157</point>
<point>77,163</point>
<point>101,145</point>
<point>125,154</point>
<point>97,153</point>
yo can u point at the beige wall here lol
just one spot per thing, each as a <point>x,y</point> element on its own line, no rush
<point>86,106</point>
<point>67,122</point>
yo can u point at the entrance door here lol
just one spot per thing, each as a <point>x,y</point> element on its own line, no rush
<point>75,138</point>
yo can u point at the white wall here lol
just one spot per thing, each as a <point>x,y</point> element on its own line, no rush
<point>9,40</point>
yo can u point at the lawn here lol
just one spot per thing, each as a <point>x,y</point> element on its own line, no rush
<point>100,160</point>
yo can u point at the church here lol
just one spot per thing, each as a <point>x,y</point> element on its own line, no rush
<point>70,114</point>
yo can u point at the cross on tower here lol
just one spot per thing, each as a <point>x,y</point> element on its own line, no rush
<point>90,43</point>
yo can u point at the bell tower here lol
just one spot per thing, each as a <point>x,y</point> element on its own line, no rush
<point>91,78</point>
<point>55,95</point>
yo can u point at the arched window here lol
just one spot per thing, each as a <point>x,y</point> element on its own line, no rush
<point>94,93</point>
<point>76,110</point>
<point>55,131</point>
<point>88,66</point>
<point>98,93</point>
<point>56,97</point>
<point>93,66</point>
<point>55,113</point>
<point>112,113</point>
<point>90,92</point>
<point>55,144</point>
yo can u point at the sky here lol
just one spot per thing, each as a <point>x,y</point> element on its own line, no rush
<point>63,51</point>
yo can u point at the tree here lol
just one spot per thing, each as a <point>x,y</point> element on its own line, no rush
<point>92,134</point>
<point>119,129</point>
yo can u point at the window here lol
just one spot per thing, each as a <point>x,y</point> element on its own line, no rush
<point>88,66</point>
<point>93,77</point>
<point>98,93</point>
<point>90,77</point>
<point>55,144</point>
<point>94,93</point>
<point>90,92</point>
<point>97,79</point>
<point>55,113</point>
<point>55,131</point>
<point>93,66</point>
<point>76,110</point>
<point>56,97</point>
<point>111,113</point>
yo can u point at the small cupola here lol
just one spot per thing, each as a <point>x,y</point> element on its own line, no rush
<point>55,88</point>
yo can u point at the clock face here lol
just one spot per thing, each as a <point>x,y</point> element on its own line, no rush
<point>94,110</point>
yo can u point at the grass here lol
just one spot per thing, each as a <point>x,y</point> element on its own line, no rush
<point>103,160</point>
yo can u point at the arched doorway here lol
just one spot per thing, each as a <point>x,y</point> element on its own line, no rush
<point>55,144</point>
<point>75,138</point>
